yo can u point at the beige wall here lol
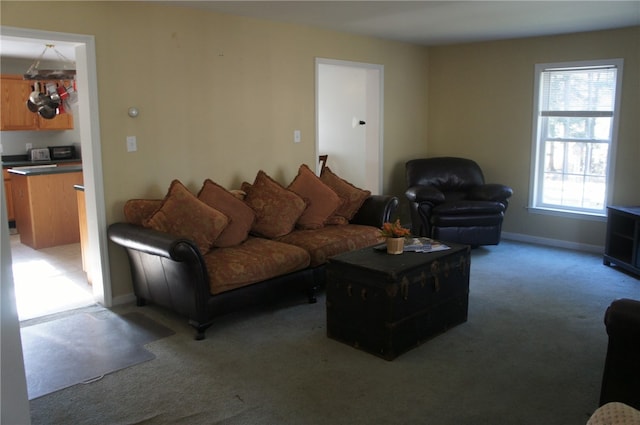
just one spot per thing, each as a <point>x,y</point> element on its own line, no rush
<point>219,96</point>
<point>480,106</point>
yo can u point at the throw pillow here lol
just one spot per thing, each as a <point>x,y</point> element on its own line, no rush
<point>277,208</point>
<point>240,215</point>
<point>353,197</point>
<point>322,201</point>
<point>183,215</point>
<point>136,211</point>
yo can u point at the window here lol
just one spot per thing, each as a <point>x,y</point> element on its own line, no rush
<point>576,110</point>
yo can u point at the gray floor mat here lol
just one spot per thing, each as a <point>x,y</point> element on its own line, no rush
<point>83,347</point>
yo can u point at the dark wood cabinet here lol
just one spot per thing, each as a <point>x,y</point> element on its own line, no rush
<point>622,246</point>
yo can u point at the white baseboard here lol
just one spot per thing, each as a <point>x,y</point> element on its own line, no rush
<point>519,237</point>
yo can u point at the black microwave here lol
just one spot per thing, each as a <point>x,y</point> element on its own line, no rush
<point>62,152</point>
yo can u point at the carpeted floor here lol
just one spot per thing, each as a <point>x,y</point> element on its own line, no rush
<point>531,352</point>
<point>83,347</point>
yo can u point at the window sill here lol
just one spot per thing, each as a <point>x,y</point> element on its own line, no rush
<point>568,214</point>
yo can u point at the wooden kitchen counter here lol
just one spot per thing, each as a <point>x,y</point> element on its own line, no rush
<point>46,209</point>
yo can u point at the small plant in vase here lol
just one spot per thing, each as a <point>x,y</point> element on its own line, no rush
<point>394,234</point>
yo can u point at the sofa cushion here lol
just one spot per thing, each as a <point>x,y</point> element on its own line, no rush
<point>182,214</point>
<point>277,208</point>
<point>241,216</point>
<point>332,240</point>
<point>254,260</point>
<point>337,220</point>
<point>322,201</point>
<point>137,211</point>
<point>352,196</point>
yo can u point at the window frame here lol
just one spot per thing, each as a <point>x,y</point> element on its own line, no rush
<point>537,148</point>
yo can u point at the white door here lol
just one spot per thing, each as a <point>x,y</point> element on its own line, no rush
<point>349,120</point>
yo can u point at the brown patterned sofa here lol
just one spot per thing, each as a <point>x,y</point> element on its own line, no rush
<point>218,251</point>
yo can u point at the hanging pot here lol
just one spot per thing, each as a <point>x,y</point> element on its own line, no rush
<point>35,98</point>
<point>47,112</point>
<point>54,100</point>
<point>35,94</point>
<point>72,94</point>
<point>32,106</point>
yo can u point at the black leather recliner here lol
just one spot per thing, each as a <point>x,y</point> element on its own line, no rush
<point>450,201</point>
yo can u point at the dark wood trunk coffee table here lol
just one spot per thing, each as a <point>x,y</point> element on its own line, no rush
<point>388,304</point>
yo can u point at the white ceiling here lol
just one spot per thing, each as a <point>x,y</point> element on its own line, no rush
<point>24,48</point>
<point>439,22</point>
<point>421,22</point>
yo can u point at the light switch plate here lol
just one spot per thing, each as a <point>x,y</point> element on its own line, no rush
<point>296,136</point>
<point>132,144</point>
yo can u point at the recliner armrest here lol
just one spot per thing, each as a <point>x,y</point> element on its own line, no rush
<point>422,193</point>
<point>376,210</point>
<point>490,192</point>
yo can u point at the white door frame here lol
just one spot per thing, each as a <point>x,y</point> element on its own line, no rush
<point>89,122</point>
<point>359,65</point>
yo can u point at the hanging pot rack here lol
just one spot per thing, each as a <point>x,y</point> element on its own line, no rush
<point>51,99</point>
<point>33,73</point>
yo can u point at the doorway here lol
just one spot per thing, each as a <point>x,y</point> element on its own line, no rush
<point>88,122</point>
<point>349,117</point>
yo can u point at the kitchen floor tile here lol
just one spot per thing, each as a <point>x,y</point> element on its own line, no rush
<point>48,280</point>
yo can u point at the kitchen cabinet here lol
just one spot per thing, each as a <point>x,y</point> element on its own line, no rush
<point>15,114</point>
<point>622,245</point>
<point>84,235</point>
<point>45,203</point>
<point>8,186</point>
<point>8,193</point>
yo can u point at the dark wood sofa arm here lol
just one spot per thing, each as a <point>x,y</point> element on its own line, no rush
<point>153,242</point>
<point>376,210</point>
<point>167,271</point>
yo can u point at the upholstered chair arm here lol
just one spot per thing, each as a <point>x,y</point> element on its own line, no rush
<point>421,193</point>
<point>490,192</point>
